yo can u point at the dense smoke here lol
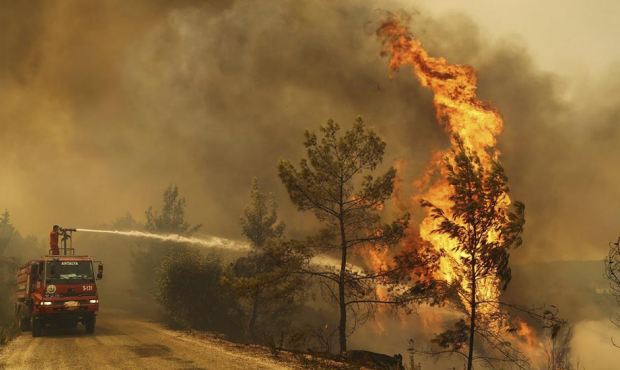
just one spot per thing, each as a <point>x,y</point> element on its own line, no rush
<point>106,103</point>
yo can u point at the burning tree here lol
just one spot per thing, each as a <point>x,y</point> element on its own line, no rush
<point>485,228</point>
<point>336,183</point>
<point>470,219</point>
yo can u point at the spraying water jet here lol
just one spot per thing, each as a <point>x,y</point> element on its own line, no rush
<point>208,242</point>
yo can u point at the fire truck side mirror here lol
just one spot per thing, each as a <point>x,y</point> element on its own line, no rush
<point>100,271</point>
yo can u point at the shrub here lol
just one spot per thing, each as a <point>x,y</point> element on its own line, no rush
<point>192,296</point>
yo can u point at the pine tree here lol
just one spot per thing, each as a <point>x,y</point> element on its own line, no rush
<point>485,229</point>
<point>265,280</point>
<point>336,183</point>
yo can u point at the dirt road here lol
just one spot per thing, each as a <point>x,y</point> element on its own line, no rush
<point>123,342</point>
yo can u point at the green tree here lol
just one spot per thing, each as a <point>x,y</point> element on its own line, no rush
<point>265,279</point>
<point>12,247</point>
<point>171,218</point>
<point>192,295</point>
<point>260,220</point>
<point>148,257</point>
<point>7,269</point>
<point>7,231</point>
<point>336,183</point>
<point>15,246</point>
<point>485,229</point>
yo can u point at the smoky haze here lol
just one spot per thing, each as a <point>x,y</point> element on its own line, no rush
<point>104,104</point>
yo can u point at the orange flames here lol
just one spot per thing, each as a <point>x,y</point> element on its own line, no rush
<point>526,332</point>
<point>454,87</point>
<point>460,112</point>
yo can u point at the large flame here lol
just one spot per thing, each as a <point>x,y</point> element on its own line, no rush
<point>454,87</point>
<point>460,112</point>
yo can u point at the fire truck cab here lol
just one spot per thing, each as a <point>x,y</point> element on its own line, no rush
<point>57,290</point>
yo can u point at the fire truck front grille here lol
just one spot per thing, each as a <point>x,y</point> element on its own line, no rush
<point>73,294</point>
<point>64,309</point>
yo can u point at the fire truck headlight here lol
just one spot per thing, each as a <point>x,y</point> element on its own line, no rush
<point>46,303</point>
<point>93,301</point>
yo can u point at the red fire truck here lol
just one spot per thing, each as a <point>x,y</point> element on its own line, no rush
<point>58,289</point>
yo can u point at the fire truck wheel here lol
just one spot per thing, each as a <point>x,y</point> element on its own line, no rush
<point>89,324</point>
<point>24,324</point>
<point>37,328</point>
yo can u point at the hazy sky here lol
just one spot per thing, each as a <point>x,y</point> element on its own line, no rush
<point>562,35</point>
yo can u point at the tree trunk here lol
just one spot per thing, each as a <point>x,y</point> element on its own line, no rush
<point>342,329</point>
<point>472,319</point>
<point>252,324</point>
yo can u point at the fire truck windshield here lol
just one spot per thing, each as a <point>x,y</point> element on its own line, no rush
<point>69,271</point>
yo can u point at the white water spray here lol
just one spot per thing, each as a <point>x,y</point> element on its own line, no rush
<point>209,242</point>
<point>327,261</point>
<point>216,242</point>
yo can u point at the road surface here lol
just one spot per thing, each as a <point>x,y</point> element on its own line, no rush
<point>123,342</point>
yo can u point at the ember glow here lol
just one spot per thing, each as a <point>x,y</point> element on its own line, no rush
<point>526,332</point>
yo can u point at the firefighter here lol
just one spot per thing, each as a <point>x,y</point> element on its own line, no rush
<point>54,240</point>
